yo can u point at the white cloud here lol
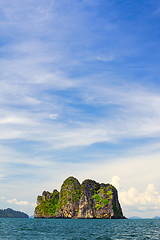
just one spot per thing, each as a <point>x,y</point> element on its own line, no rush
<point>102,58</point>
<point>27,76</point>
<point>53,116</point>
<point>149,199</point>
<point>15,120</point>
<point>32,101</point>
<point>3,198</point>
<point>22,203</point>
<point>115,181</point>
<point>39,82</point>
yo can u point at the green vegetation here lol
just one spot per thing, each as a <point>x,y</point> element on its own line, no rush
<point>106,201</point>
<point>89,199</point>
<point>109,192</point>
<point>98,206</point>
<point>47,206</point>
<point>97,197</point>
<point>70,192</point>
<point>103,196</point>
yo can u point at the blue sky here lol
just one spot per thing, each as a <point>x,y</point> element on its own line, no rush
<point>80,95</point>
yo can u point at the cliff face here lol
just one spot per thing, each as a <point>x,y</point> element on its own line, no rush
<point>99,201</point>
<point>69,197</point>
<point>46,205</point>
<point>87,200</point>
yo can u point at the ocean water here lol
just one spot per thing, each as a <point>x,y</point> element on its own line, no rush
<point>78,229</point>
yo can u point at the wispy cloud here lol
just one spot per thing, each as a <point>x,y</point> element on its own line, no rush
<point>14,120</point>
<point>72,78</point>
<point>21,203</point>
<point>138,117</point>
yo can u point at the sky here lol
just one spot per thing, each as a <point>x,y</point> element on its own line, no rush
<point>80,96</point>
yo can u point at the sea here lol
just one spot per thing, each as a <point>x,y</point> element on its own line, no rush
<point>78,229</point>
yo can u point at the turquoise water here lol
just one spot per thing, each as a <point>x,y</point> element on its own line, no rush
<point>78,229</point>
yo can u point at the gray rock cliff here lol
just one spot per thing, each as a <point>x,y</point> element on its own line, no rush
<point>87,200</point>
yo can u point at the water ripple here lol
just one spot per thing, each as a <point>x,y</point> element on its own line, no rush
<point>79,229</point>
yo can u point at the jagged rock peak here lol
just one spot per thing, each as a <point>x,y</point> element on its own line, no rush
<point>87,200</point>
<point>69,196</point>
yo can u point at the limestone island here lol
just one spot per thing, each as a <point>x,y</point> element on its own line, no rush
<point>87,200</point>
<point>10,213</point>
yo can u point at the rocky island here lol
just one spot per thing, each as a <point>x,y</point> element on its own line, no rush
<point>87,200</point>
<point>10,213</point>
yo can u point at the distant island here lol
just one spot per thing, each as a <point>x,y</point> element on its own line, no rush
<point>87,200</point>
<point>136,217</point>
<point>10,213</point>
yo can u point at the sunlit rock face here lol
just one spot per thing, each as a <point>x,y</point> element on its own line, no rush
<point>87,200</point>
<point>86,204</point>
<point>68,205</point>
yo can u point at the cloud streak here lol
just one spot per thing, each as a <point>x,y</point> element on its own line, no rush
<point>21,203</point>
<point>76,84</point>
